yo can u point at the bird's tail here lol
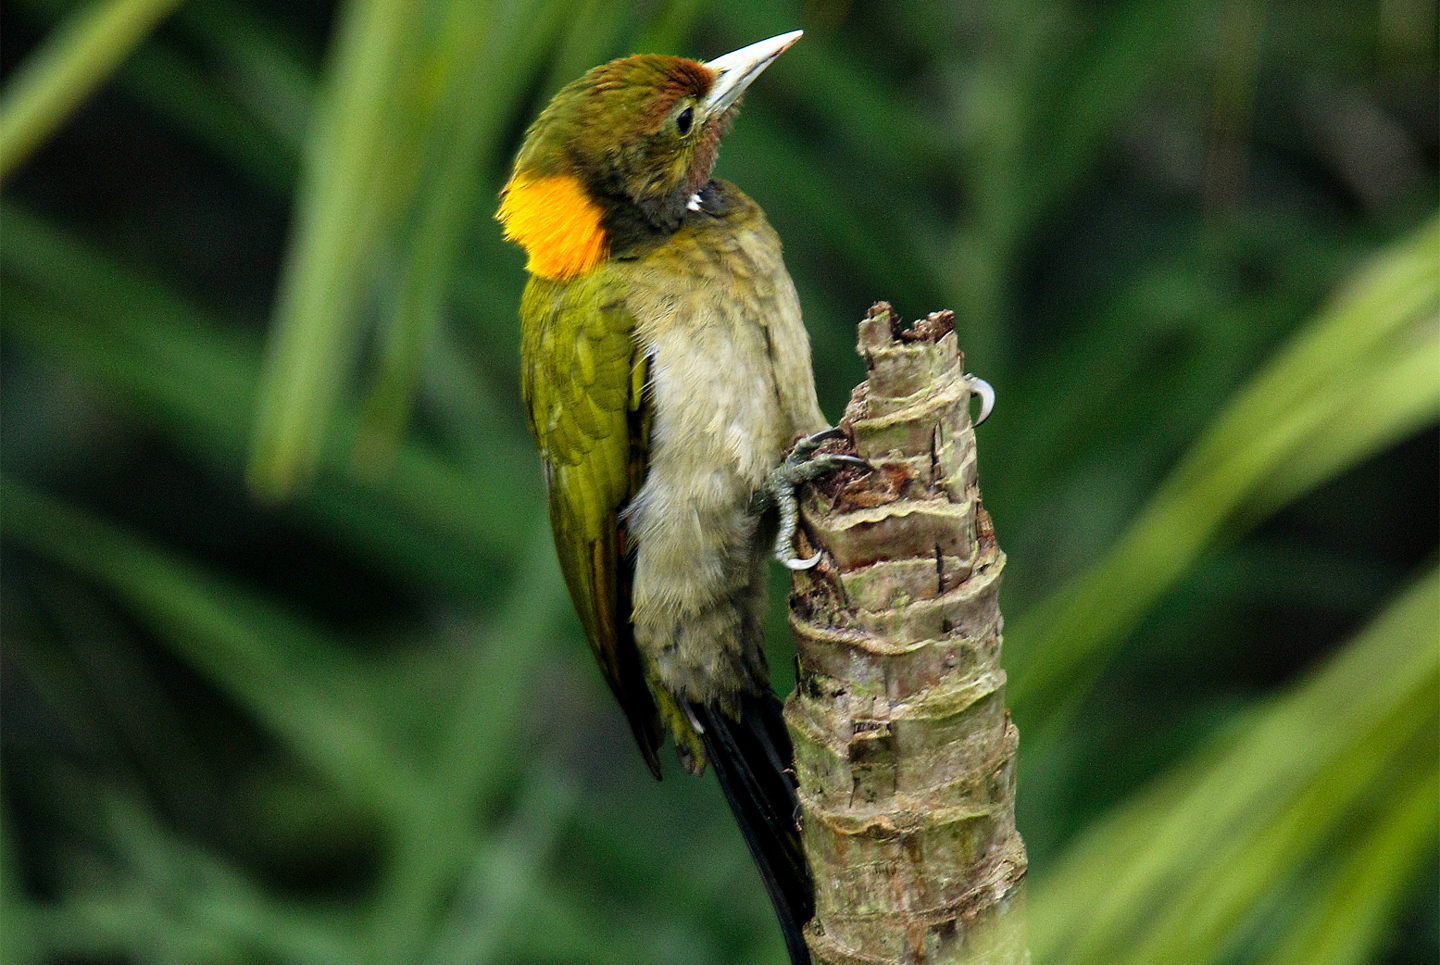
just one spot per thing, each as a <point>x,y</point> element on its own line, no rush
<point>753,757</point>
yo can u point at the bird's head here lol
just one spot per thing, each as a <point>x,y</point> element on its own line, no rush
<point>620,154</point>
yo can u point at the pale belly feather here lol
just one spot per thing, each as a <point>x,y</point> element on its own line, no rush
<point>727,405</point>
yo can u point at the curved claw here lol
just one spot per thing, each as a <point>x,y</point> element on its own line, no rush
<point>824,435</point>
<point>799,563</point>
<point>987,396</point>
<point>803,449</point>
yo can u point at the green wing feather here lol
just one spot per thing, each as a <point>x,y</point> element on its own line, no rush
<point>585,390</point>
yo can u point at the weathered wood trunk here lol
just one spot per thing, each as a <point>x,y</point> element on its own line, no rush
<point>904,750</point>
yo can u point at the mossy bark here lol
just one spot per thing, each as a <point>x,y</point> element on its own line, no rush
<point>904,750</point>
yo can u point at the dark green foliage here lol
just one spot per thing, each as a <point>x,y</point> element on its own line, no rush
<point>289,674</point>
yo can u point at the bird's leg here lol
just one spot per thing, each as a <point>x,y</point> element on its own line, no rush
<point>802,465</point>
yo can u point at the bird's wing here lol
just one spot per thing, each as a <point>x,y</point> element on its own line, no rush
<point>584,384</point>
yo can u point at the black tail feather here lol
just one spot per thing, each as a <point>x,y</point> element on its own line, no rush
<point>752,757</point>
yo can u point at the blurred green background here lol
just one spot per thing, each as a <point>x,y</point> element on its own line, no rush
<point>288,672</point>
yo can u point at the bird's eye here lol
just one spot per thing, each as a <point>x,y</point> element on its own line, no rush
<point>684,119</point>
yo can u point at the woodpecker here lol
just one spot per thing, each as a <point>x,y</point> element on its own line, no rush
<point>666,373</point>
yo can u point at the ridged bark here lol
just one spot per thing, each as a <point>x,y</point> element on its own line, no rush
<point>904,750</point>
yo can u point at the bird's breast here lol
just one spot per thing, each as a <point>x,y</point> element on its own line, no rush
<point>730,386</point>
<point>718,317</point>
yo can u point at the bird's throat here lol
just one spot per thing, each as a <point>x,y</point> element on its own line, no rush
<point>556,222</point>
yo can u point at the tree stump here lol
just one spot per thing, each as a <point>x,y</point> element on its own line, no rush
<point>904,749</point>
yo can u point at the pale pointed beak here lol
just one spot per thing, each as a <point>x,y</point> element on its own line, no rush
<point>737,69</point>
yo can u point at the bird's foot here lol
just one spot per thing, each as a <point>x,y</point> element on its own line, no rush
<point>802,465</point>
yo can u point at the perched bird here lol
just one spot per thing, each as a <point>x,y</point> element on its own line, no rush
<point>666,372</point>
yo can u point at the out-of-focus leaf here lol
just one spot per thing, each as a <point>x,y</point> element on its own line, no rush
<point>79,55</point>
<point>1178,875</point>
<point>1380,327</point>
<point>352,176</point>
<point>179,92</point>
<point>425,517</point>
<point>1352,910</point>
<point>290,676</point>
<point>18,940</point>
<point>594,34</point>
<point>1169,337</point>
<point>505,878</point>
<point>1035,131</point>
<point>668,32</point>
<point>264,658</point>
<point>479,748</point>
<point>249,101</point>
<point>263,69</point>
<point>490,64</point>
<point>874,117</point>
<point>180,903</point>
<point>1113,66</point>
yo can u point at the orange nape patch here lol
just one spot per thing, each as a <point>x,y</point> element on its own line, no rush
<point>556,223</point>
